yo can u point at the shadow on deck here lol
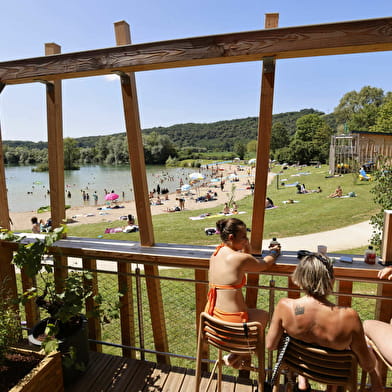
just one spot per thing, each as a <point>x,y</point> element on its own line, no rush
<point>118,374</point>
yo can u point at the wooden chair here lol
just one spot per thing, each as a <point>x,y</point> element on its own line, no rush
<point>321,364</point>
<point>238,338</point>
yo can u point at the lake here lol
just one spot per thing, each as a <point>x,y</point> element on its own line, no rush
<point>28,190</point>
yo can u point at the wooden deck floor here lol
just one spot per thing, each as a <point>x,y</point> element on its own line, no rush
<point>117,374</point>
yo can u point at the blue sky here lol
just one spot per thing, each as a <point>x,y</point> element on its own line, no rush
<point>93,106</point>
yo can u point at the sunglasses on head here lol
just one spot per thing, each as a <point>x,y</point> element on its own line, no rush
<point>305,253</point>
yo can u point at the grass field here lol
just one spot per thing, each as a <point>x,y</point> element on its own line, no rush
<point>313,213</point>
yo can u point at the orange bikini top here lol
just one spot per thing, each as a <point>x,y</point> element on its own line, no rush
<point>212,291</point>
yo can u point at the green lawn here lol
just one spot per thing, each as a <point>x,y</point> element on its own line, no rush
<point>314,212</point>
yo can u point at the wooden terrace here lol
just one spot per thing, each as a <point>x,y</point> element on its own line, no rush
<point>129,370</point>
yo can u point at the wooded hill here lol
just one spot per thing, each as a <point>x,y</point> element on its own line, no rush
<point>217,136</point>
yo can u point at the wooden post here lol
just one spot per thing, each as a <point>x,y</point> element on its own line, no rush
<point>94,325</point>
<point>384,307</point>
<point>386,246</point>
<point>56,161</point>
<point>262,159</point>
<point>143,209</point>
<point>345,286</point>
<point>127,315</point>
<point>201,299</point>
<point>55,144</point>
<point>135,143</point>
<point>7,270</point>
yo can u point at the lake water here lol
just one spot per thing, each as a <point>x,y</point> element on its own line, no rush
<point>27,190</point>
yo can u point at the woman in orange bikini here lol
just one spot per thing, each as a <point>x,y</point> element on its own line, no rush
<point>228,265</point>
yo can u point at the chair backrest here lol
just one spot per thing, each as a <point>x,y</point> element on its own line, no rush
<point>321,364</point>
<point>239,338</point>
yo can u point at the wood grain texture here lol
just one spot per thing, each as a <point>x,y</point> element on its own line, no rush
<point>370,35</point>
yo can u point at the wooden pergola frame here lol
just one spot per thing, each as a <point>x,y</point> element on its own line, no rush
<point>267,45</point>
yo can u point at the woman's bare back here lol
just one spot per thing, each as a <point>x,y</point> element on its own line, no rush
<point>321,323</point>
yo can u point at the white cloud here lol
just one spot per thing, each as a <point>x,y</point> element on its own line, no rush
<point>111,78</point>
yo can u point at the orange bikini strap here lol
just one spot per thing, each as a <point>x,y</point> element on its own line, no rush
<point>218,248</point>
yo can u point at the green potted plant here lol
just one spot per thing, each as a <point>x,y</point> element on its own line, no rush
<point>22,369</point>
<point>65,328</point>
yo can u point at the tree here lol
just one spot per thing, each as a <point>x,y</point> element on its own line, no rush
<point>240,149</point>
<point>358,110</point>
<point>382,197</point>
<point>71,154</point>
<point>311,140</point>
<point>384,117</point>
<point>157,148</point>
<point>251,146</point>
<point>279,137</point>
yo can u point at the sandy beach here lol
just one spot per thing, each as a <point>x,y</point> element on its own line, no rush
<point>91,214</point>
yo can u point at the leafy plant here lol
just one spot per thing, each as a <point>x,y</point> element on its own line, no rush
<point>65,308</point>
<point>382,197</point>
<point>10,330</point>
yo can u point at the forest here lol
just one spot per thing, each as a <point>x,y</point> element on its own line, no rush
<point>302,136</point>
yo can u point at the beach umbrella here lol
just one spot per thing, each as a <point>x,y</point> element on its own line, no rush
<point>252,161</point>
<point>112,196</point>
<point>185,187</point>
<point>196,176</point>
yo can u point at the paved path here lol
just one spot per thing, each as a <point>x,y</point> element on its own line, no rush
<point>349,237</point>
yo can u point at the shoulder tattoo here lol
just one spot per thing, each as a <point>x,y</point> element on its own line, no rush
<point>299,310</point>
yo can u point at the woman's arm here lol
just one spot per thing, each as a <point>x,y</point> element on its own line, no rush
<point>251,264</point>
<point>276,330</point>
<point>365,356</point>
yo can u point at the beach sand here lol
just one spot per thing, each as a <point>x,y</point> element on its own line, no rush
<point>90,213</point>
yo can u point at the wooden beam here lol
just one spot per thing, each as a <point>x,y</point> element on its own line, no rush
<point>94,324</point>
<point>262,161</point>
<point>143,209</point>
<point>127,318</point>
<point>55,144</point>
<point>4,209</point>
<point>201,290</point>
<point>56,161</point>
<point>386,245</point>
<point>135,144</point>
<point>7,270</point>
<point>369,35</point>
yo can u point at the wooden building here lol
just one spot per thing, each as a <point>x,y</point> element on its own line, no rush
<point>350,152</point>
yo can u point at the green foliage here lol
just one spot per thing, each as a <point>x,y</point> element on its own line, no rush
<point>280,136</point>
<point>382,196</point>
<point>239,149</point>
<point>10,330</point>
<point>358,110</point>
<point>384,118</point>
<point>158,148</point>
<point>311,140</point>
<point>64,307</point>
<point>42,167</point>
<point>71,154</point>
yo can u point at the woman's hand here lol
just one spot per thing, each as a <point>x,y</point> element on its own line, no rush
<point>385,273</point>
<point>274,251</point>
